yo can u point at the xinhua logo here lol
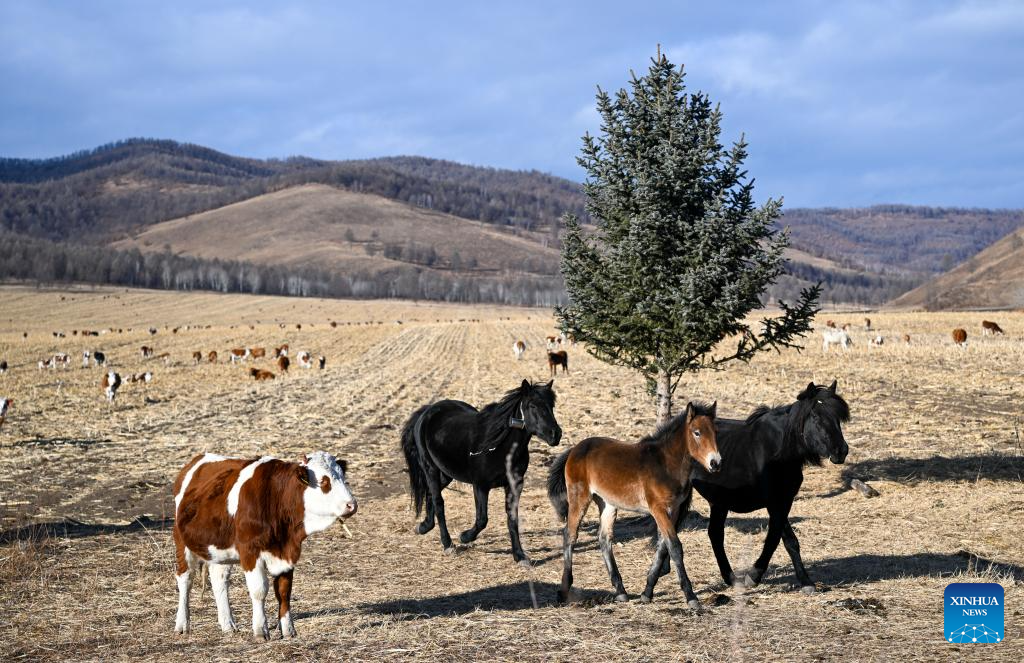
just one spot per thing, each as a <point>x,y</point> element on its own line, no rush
<point>974,612</point>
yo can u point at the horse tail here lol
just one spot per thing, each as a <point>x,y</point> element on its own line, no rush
<point>557,492</point>
<point>417,479</point>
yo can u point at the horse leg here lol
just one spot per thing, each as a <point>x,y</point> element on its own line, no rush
<point>716,532</point>
<point>675,550</point>
<point>435,486</point>
<point>579,500</point>
<point>656,570</point>
<point>512,493</point>
<point>480,494</point>
<point>604,537</point>
<point>771,542</point>
<point>793,548</point>
<point>428,518</point>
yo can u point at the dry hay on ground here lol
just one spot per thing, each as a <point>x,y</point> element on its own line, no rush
<point>86,555</point>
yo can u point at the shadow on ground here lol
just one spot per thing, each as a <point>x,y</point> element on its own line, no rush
<point>70,528</point>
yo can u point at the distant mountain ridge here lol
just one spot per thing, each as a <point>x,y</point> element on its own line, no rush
<point>118,191</point>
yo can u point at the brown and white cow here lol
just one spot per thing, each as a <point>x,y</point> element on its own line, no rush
<point>257,353</point>
<point>259,374</point>
<point>197,357</point>
<point>212,357</point>
<point>518,349</point>
<point>238,354</point>
<point>283,362</point>
<point>305,359</point>
<point>5,403</point>
<point>147,352</point>
<point>111,383</point>
<point>61,359</point>
<point>281,351</point>
<point>253,512</point>
<point>989,327</point>
<point>960,337</point>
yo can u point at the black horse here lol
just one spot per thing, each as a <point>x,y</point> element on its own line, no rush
<point>762,468</point>
<point>487,448</point>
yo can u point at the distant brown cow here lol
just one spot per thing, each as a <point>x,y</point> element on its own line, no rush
<point>906,339</point>
<point>212,357</point>
<point>867,324</point>
<point>239,354</point>
<point>197,356</point>
<point>283,363</point>
<point>259,374</point>
<point>556,359</point>
<point>147,352</point>
<point>258,353</point>
<point>989,327</point>
<point>960,337</point>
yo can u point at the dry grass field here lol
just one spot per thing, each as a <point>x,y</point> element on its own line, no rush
<point>86,557</point>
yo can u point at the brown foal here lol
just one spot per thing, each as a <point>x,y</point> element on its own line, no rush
<point>650,477</point>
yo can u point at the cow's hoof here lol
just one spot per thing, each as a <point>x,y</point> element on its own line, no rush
<point>807,589</point>
<point>694,604</point>
<point>621,598</point>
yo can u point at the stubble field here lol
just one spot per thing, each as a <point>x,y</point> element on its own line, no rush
<point>86,557</point>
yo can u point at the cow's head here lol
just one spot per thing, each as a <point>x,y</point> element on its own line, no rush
<point>327,495</point>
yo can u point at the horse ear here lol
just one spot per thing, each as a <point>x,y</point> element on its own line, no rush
<point>832,387</point>
<point>689,411</point>
<point>808,392</point>
<point>525,386</point>
<point>550,382</point>
<point>344,465</point>
<point>714,409</point>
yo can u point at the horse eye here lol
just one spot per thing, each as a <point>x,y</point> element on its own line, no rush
<point>696,433</point>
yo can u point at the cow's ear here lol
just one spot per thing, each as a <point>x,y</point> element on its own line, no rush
<point>343,464</point>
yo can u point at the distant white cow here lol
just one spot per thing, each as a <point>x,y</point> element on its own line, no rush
<point>836,336</point>
<point>877,340</point>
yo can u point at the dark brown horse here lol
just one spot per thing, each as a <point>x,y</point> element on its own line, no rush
<point>556,359</point>
<point>650,477</point>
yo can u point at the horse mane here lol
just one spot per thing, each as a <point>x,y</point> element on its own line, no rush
<point>496,415</point>
<point>668,430</point>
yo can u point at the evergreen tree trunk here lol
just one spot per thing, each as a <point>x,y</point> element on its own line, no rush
<point>664,397</point>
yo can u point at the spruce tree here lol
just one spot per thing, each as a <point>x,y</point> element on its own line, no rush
<point>680,255</point>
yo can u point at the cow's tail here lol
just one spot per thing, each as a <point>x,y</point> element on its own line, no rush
<point>417,479</point>
<point>556,487</point>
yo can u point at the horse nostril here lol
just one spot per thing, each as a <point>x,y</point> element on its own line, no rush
<point>351,508</point>
<point>715,464</point>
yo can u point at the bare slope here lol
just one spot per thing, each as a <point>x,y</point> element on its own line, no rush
<point>994,278</point>
<point>320,225</point>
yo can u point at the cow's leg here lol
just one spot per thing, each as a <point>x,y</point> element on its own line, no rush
<point>512,493</point>
<point>283,591</point>
<point>186,563</point>
<point>480,494</point>
<point>604,537</point>
<point>219,575</point>
<point>256,581</point>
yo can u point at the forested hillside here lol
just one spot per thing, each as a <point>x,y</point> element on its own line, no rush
<point>117,192</point>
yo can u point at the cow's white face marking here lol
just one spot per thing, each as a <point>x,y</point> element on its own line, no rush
<point>208,458</point>
<point>243,476</point>
<point>322,509</point>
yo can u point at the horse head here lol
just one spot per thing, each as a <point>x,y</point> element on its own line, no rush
<point>823,412</point>
<point>702,435</point>
<point>535,412</point>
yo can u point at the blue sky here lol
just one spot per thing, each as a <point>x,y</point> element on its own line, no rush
<point>843,103</point>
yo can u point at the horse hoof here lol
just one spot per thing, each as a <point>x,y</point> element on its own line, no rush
<point>467,538</point>
<point>423,529</point>
<point>645,598</point>
<point>621,598</point>
<point>694,604</point>
<point>450,550</point>
<point>807,589</point>
<point>525,562</point>
<point>749,582</point>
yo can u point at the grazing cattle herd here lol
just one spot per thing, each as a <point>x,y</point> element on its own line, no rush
<point>256,512</point>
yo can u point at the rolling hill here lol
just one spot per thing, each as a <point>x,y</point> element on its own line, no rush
<point>152,194</point>
<point>994,278</point>
<point>330,228</point>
